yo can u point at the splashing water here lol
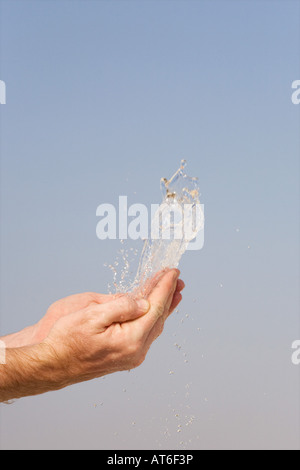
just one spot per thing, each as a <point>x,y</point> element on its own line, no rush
<point>174,225</point>
<point>165,249</point>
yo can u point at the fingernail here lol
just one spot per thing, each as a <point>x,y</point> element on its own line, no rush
<point>176,274</point>
<point>143,305</point>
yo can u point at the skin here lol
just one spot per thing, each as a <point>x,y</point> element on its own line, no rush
<point>86,336</point>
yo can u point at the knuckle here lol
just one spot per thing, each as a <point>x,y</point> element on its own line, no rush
<point>133,349</point>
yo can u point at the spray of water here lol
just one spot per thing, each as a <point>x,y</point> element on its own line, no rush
<point>174,225</point>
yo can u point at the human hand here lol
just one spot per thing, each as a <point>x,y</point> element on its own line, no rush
<point>36,333</point>
<point>104,337</point>
<point>65,306</point>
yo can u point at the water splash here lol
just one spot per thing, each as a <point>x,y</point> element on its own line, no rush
<point>174,225</point>
<point>180,192</point>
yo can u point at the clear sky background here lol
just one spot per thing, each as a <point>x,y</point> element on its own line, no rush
<point>103,99</point>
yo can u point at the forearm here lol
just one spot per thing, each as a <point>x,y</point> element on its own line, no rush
<point>30,370</point>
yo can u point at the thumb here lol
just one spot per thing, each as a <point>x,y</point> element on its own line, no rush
<point>121,309</point>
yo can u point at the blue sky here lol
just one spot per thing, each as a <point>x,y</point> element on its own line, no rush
<point>103,99</point>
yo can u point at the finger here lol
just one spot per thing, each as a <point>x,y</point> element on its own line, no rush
<point>174,298</point>
<point>177,298</point>
<point>76,302</point>
<point>180,285</point>
<point>145,289</point>
<point>102,298</point>
<point>159,326</point>
<point>95,297</point>
<point>119,310</point>
<point>149,285</point>
<point>160,299</point>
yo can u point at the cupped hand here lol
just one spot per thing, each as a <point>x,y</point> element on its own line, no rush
<point>109,333</point>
